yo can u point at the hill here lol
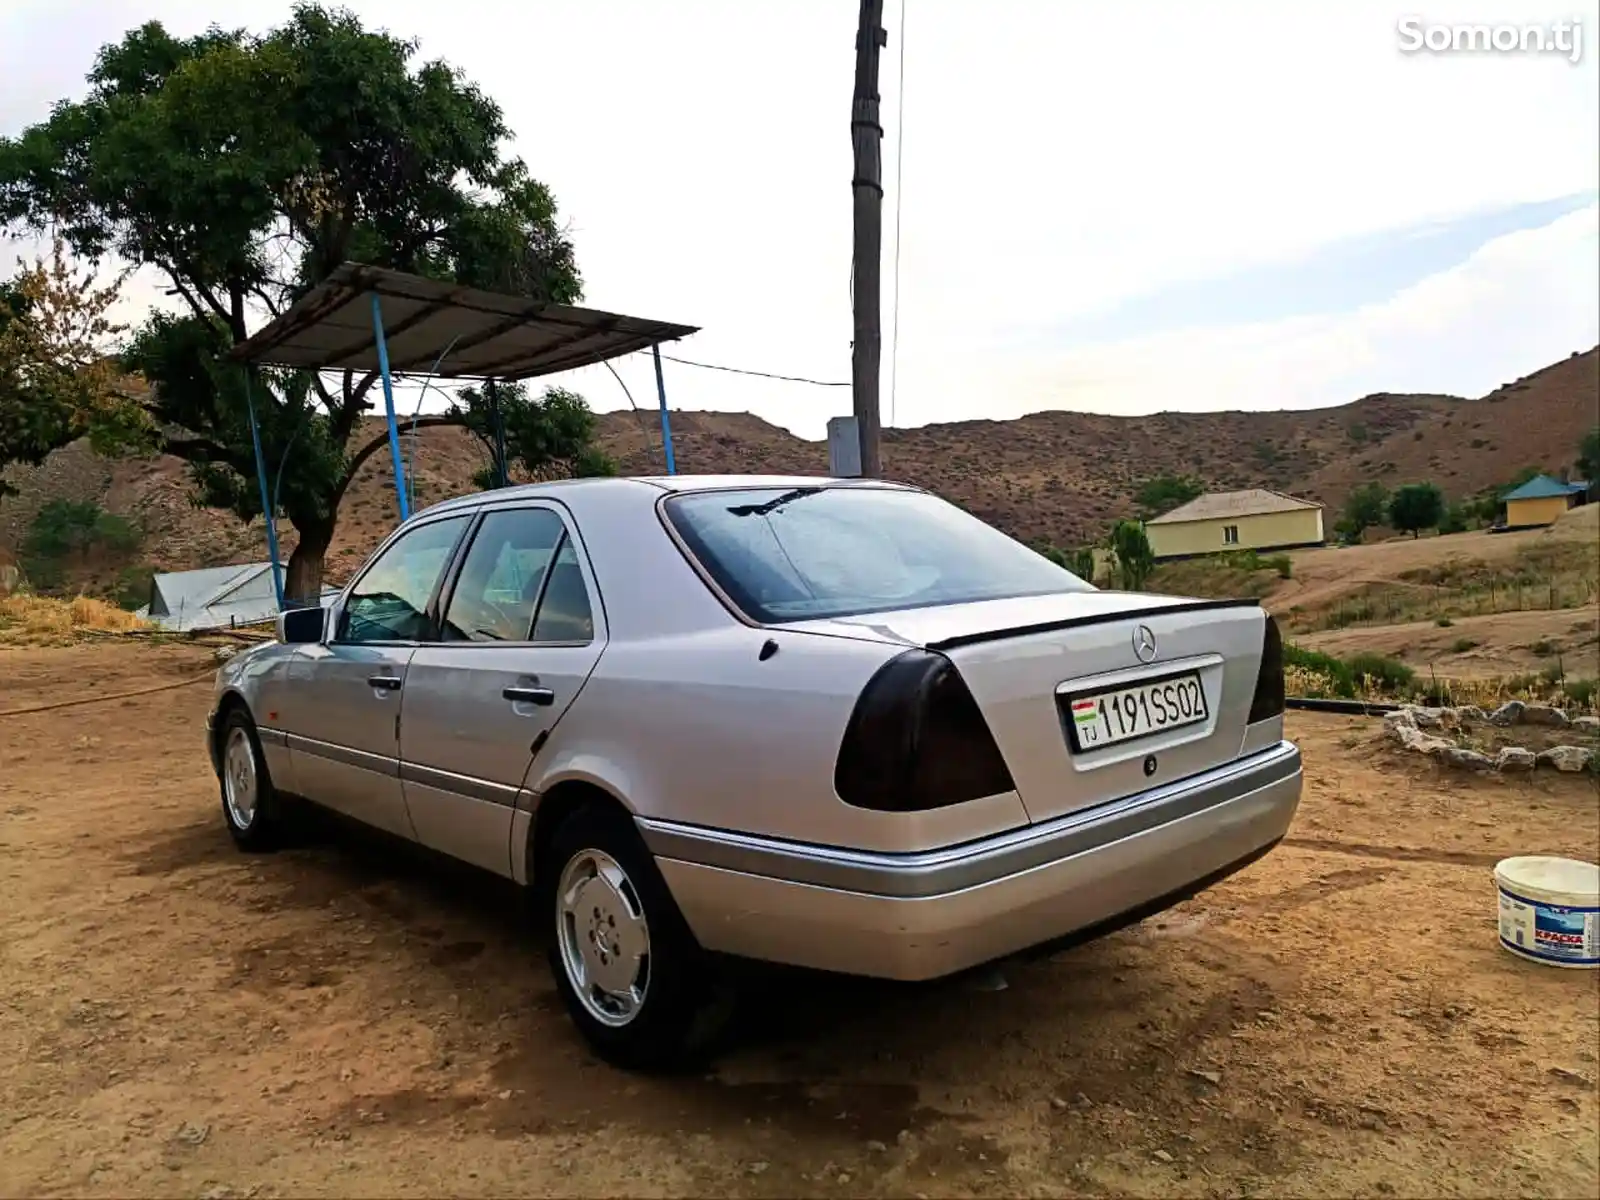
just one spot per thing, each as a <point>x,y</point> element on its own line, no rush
<point>1055,476</point>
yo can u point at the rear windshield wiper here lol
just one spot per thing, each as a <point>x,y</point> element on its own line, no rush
<point>777,502</point>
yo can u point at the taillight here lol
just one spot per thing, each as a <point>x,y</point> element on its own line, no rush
<point>917,740</point>
<point>1268,700</point>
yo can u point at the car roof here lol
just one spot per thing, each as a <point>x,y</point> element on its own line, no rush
<point>655,484</point>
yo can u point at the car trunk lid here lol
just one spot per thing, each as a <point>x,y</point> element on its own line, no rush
<point>1026,659</point>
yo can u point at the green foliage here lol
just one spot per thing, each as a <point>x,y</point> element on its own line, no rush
<point>1457,518</point>
<point>56,381</point>
<point>132,588</point>
<point>1378,672</point>
<point>548,437</point>
<point>1080,562</point>
<point>1581,692</point>
<point>1054,553</point>
<point>1358,432</point>
<point>1131,555</point>
<point>1165,493</point>
<point>68,531</point>
<point>1350,677</point>
<point>1462,645</point>
<point>1335,670</point>
<point>1588,461</point>
<point>246,167</point>
<point>1415,507</point>
<point>1282,564</point>
<point>1363,508</point>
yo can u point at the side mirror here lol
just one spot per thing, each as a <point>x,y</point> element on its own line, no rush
<point>302,626</point>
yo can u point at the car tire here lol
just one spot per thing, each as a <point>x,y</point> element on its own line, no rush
<point>633,979</point>
<point>250,805</point>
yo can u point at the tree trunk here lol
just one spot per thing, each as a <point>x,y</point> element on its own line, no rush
<point>302,584</point>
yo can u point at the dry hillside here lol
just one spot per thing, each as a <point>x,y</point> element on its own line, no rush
<point>1058,476</point>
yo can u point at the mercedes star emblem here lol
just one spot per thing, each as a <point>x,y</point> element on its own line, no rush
<point>1144,643</point>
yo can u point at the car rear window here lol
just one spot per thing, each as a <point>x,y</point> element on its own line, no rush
<point>802,553</point>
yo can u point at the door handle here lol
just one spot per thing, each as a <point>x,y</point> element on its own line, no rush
<point>542,696</point>
<point>384,683</point>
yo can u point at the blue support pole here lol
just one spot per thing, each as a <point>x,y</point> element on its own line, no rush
<point>388,405</point>
<point>666,422</point>
<point>266,501</point>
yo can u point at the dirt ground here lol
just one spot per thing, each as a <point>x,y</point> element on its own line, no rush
<point>343,1018</point>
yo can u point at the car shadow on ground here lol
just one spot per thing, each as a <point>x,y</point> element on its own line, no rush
<point>460,931</point>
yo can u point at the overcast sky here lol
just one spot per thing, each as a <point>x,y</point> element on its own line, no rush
<point>1115,207</point>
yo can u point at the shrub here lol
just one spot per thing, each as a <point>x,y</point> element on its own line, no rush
<point>1443,622</point>
<point>1380,672</point>
<point>1462,645</point>
<point>1581,692</point>
<point>1281,564</point>
<point>64,531</point>
<point>132,588</point>
<point>1544,647</point>
<point>1338,674</point>
<point>1456,519</point>
<point>1132,555</point>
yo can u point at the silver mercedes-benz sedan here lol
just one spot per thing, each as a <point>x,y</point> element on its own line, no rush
<point>838,724</point>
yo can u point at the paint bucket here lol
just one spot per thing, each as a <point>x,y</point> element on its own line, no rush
<point>1550,910</point>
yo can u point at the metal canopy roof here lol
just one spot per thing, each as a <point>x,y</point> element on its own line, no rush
<point>480,334</point>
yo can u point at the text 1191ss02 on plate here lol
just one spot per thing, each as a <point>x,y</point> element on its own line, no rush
<point>1129,713</point>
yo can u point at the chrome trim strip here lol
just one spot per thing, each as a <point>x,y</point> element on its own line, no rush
<point>272,737</point>
<point>459,785</point>
<point>939,872</point>
<point>444,781</point>
<point>360,759</point>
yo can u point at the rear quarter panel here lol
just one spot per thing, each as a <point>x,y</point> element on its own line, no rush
<point>699,729</point>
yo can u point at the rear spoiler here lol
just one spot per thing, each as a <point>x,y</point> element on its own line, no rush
<point>1126,614</point>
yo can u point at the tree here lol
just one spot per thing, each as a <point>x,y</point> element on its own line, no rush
<point>1588,463</point>
<point>1165,493</point>
<point>57,379</point>
<point>1363,508</point>
<point>551,437</point>
<point>1131,555</point>
<point>1081,563</point>
<point>1457,517</point>
<point>1415,507</point>
<point>245,168</point>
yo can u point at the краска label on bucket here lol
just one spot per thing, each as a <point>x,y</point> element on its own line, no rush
<point>1564,935</point>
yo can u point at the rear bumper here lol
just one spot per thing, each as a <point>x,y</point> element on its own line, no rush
<point>922,916</point>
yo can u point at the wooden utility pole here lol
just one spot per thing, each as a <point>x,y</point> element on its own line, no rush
<point>866,134</point>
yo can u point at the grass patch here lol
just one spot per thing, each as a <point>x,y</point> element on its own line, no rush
<point>27,619</point>
<point>1221,576</point>
<point>1314,675</point>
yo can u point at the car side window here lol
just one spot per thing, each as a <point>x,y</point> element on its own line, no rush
<point>501,577</point>
<point>389,602</point>
<point>564,611</point>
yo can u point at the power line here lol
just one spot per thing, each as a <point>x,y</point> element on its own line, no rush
<point>899,172</point>
<point>689,362</point>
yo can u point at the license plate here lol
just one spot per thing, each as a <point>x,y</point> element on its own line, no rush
<point>1126,714</point>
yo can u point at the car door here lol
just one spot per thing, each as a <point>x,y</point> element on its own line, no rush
<point>343,725</point>
<point>520,633</point>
